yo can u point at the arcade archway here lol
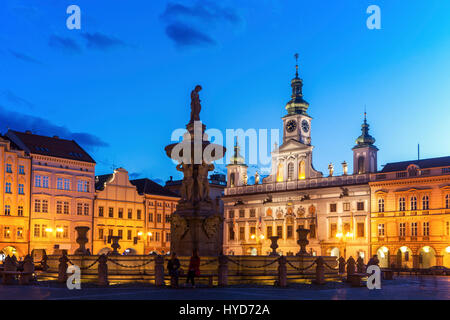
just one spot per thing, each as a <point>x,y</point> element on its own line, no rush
<point>427,257</point>
<point>383,257</point>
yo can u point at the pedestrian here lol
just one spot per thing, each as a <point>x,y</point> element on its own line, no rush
<point>194,268</point>
<point>173,266</point>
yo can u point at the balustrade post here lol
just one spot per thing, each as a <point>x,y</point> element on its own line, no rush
<point>360,265</point>
<point>350,267</point>
<point>320,271</point>
<point>223,271</point>
<point>159,271</point>
<point>341,261</point>
<point>103,270</point>
<point>62,267</point>
<point>28,269</point>
<point>282,272</point>
<point>9,265</point>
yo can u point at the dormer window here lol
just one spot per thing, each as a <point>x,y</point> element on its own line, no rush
<point>413,171</point>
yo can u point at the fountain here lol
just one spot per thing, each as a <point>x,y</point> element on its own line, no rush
<point>195,224</point>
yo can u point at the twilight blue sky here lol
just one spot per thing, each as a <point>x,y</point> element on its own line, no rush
<point>121,84</point>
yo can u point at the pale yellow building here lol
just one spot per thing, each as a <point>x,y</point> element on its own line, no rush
<point>62,190</point>
<point>160,203</point>
<point>15,169</point>
<point>119,211</point>
<point>410,218</point>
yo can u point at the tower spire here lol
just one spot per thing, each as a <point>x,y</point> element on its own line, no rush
<point>297,105</point>
<point>296,65</point>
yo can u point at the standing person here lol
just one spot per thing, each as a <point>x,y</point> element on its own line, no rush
<point>194,268</point>
<point>173,266</point>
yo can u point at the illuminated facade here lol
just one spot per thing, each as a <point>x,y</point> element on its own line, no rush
<point>62,190</point>
<point>15,169</point>
<point>160,203</point>
<point>335,208</point>
<point>118,211</point>
<point>411,213</point>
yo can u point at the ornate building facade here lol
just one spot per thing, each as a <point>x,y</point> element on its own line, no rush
<point>62,190</point>
<point>160,203</point>
<point>118,211</point>
<point>411,213</point>
<point>15,169</point>
<point>334,208</point>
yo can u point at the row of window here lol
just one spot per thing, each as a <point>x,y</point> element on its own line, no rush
<point>158,217</point>
<point>412,203</point>
<point>413,229</point>
<point>9,168</point>
<point>252,213</point>
<point>7,232</point>
<point>280,233</point>
<point>20,189</point>
<point>43,231</point>
<point>8,210</point>
<point>360,206</point>
<point>346,229</point>
<point>62,207</point>
<point>101,213</point>
<point>61,183</point>
<point>160,204</point>
<point>152,236</point>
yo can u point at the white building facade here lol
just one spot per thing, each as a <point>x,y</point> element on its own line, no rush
<point>336,209</point>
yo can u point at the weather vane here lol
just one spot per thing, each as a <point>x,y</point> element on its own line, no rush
<point>296,65</point>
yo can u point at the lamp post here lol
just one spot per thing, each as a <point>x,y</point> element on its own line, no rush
<point>343,240</point>
<point>257,239</point>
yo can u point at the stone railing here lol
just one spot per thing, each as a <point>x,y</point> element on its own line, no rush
<point>334,181</point>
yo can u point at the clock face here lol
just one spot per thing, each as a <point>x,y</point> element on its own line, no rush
<point>305,126</point>
<point>291,125</point>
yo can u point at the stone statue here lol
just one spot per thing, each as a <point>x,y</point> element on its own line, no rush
<point>245,179</point>
<point>195,104</point>
<point>187,185</point>
<point>331,169</point>
<point>256,177</point>
<point>211,225</point>
<point>179,226</point>
<point>202,180</point>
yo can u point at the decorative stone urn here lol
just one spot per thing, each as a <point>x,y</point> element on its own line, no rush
<point>115,245</point>
<point>82,240</point>
<point>302,241</point>
<point>274,245</point>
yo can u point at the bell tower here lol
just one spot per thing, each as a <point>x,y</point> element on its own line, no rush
<point>297,122</point>
<point>236,169</point>
<point>365,152</point>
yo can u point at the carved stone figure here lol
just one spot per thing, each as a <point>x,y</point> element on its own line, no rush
<point>202,180</point>
<point>245,179</point>
<point>331,169</point>
<point>179,226</point>
<point>256,177</point>
<point>195,104</point>
<point>187,185</point>
<point>211,225</point>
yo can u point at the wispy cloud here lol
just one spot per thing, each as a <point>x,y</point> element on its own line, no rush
<point>184,35</point>
<point>101,41</point>
<point>16,100</point>
<point>22,122</point>
<point>191,25</point>
<point>24,57</point>
<point>66,44</point>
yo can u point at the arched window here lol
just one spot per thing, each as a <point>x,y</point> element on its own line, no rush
<point>401,204</point>
<point>425,203</point>
<point>232,179</point>
<point>361,168</point>
<point>301,170</point>
<point>381,205</point>
<point>280,173</point>
<point>414,203</point>
<point>447,201</point>
<point>290,171</point>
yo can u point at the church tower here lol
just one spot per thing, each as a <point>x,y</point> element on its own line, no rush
<point>365,152</point>
<point>297,123</point>
<point>236,169</point>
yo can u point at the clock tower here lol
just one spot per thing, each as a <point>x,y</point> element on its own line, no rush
<point>297,123</point>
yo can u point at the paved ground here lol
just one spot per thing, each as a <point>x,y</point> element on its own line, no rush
<point>411,288</point>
